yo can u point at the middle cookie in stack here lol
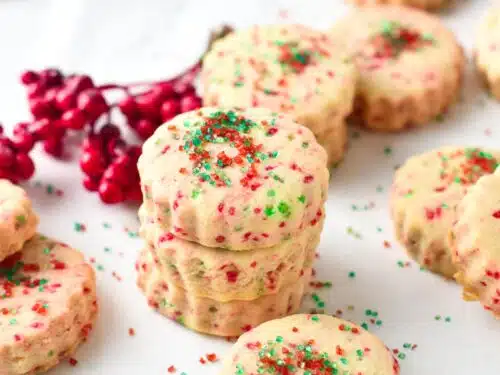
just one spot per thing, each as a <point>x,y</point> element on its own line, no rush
<point>232,215</point>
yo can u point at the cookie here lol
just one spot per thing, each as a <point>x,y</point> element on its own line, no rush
<point>230,275</point>
<point>205,315</point>
<point>410,66</point>
<point>487,51</point>
<point>425,193</point>
<point>474,240</point>
<point>233,179</point>
<point>18,221</point>
<point>47,304</point>
<point>421,4</point>
<point>289,69</point>
<point>309,344</point>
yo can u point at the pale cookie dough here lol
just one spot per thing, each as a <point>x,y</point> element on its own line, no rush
<point>47,306</point>
<point>289,69</point>
<point>230,275</point>
<point>18,221</point>
<point>209,316</point>
<point>487,51</point>
<point>475,240</point>
<point>309,344</point>
<point>425,192</point>
<point>233,179</point>
<point>421,4</point>
<point>410,66</point>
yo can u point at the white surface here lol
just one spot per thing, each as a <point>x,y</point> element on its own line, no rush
<point>120,40</point>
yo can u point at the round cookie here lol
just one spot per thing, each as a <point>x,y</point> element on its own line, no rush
<point>47,304</point>
<point>425,193</point>
<point>243,179</point>
<point>209,316</point>
<point>487,51</point>
<point>18,221</point>
<point>309,344</point>
<point>289,69</point>
<point>475,242</point>
<point>230,275</point>
<point>410,66</point>
<point>421,4</point>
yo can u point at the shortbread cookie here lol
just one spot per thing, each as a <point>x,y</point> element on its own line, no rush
<point>421,4</point>
<point>410,66</point>
<point>425,192</point>
<point>210,316</point>
<point>310,344</point>
<point>230,275</point>
<point>47,304</point>
<point>235,179</point>
<point>475,243</point>
<point>289,69</point>
<point>18,221</point>
<point>487,51</point>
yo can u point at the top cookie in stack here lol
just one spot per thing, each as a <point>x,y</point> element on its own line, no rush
<point>232,215</point>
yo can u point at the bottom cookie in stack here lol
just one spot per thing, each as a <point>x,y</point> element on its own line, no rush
<point>206,315</point>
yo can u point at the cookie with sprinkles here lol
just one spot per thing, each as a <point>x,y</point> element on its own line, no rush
<point>233,179</point>
<point>209,316</point>
<point>410,66</point>
<point>475,243</point>
<point>487,51</point>
<point>230,275</point>
<point>425,193</point>
<point>421,4</point>
<point>289,69</point>
<point>47,304</point>
<point>309,345</point>
<point>18,221</point>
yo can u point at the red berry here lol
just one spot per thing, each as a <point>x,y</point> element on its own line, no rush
<point>145,128</point>
<point>23,142</point>
<point>24,166</point>
<point>92,103</point>
<point>109,131</point>
<point>169,109</point>
<point>118,174</point>
<point>123,161</point>
<point>7,156</point>
<point>28,77</point>
<point>134,152</point>
<point>39,107</point>
<point>93,163</point>
<point>35,90</point>
<point>90,183</point>
<point>110,192</point>
<point>53,146</point>
<point>51,77</point>
<point>92,143</point>
<point>183,87</point>
<point>20,128</point>
<point>164,90</point>
<point>73,119</point>
<point>65,99</point>
<point>116,147</point>
<point>41,128</point>
<point>128,106</point>
<point>190,102</point>
<point>134,194</point>
<point>50,97</point>
<point>78,83</point>
<point>149,105</point>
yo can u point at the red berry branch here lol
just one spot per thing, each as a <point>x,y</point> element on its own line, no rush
<point>61,104</point>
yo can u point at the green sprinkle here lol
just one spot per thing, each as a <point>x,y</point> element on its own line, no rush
<point>352,274</point>
<point>302,198</point>
<point>46,250</point>
<point>284,209</point>
<point>269,211</point>
<point>279,339</point>
<point>315,318</point>
<point>271,193</point>
<point>20,220</point>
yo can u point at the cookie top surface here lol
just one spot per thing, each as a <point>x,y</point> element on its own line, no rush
<point>18,221</point>
<point>38,286</point>
<point>237,179</point>
<point>488,43</point>
<point>427,188</point>
<point>399,50</point>
<point>287,68</point>
<point>309,344</point>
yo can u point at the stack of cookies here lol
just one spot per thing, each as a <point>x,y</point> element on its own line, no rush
<point>47,291</point>
<point>232,214</point>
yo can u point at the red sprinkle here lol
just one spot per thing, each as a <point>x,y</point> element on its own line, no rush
<point>172,369</point>
<point>73,362</point>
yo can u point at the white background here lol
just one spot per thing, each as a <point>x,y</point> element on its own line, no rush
<point>120,40</point>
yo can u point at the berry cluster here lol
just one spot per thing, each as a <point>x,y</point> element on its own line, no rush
<point>61,104</point>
